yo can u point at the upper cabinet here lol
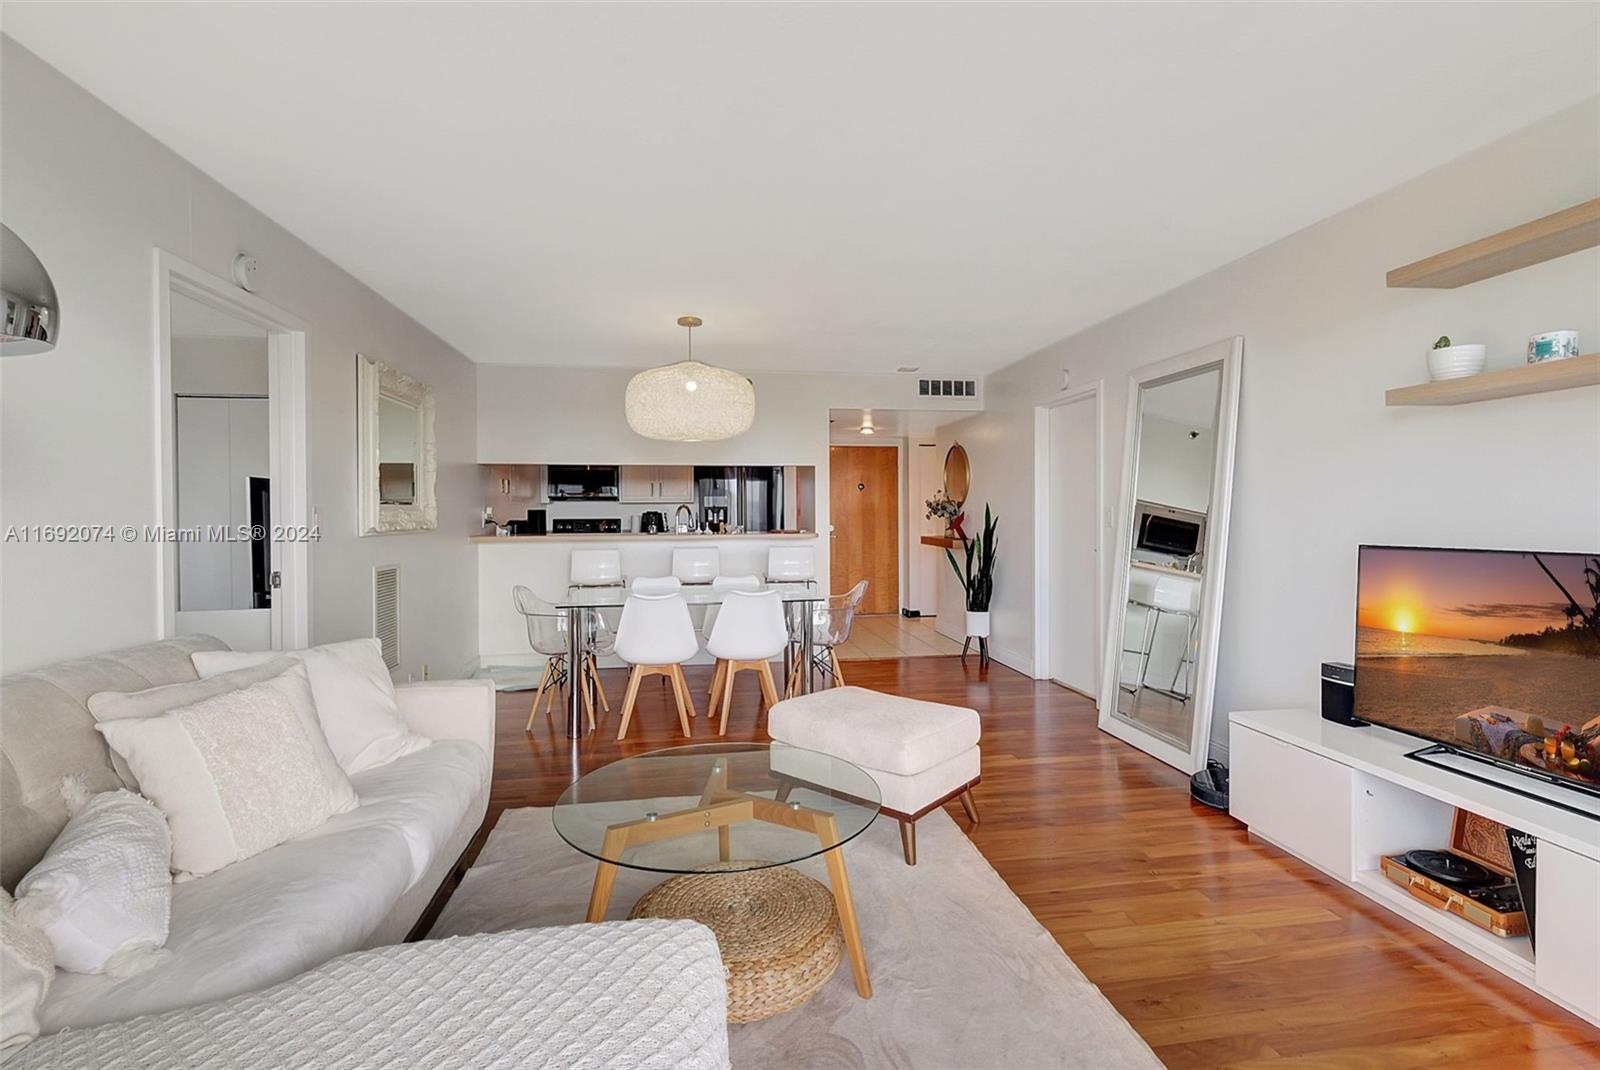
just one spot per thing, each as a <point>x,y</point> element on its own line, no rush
<point>644,483</point>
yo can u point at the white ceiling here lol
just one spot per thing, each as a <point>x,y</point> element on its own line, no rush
<point>833,187</point>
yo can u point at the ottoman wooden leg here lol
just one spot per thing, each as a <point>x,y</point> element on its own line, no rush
<point>908,840</point>
<point>970,805</point>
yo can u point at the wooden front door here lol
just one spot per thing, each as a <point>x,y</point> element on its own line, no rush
<point>864,506</point>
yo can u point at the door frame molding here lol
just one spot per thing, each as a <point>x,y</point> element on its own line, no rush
<point>286,388</point>
<point>1042,491</point>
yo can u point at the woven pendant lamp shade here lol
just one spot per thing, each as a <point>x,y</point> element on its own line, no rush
<point>690,401</point>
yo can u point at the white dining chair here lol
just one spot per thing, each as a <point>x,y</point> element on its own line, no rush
<point>656,637</point>
<point>595,568</point>
<point>791,564</point>
<point>749,632</point>
<point>696,564</point>
<point>725,584</point>
<point>547,634</point>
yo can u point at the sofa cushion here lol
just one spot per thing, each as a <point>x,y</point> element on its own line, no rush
<point>257,922</point>
<point>423,796</point>
<point>875,730</point>
<point>46,733</point>
<point>27,969</point>
<point>630,995</point>
<point>238,773</point>
<point>355,698</point>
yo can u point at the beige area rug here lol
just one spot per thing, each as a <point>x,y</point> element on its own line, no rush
<point>963,975</point>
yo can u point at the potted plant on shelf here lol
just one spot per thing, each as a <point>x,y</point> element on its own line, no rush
<point>978,582</point>
<point>1446,361</point>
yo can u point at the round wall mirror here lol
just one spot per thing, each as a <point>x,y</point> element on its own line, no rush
<point>957,474</point>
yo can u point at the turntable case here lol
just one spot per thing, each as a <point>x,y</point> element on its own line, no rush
<point>1482,840</point>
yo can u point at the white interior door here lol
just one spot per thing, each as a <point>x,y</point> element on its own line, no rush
<point>1074,459</point>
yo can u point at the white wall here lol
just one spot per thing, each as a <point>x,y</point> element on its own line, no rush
<point>1323,465</point>
<point>93,197</point>
<point>574,416</point>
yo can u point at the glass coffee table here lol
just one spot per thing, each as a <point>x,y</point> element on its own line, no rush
<point>726,817</point>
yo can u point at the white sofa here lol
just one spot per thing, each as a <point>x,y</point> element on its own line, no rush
<point>360,881</point>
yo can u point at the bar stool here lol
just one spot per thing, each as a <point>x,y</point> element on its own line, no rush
<point>656,636</point>
<point>791,564</point>
<point>595,568</point>
<point>654,585</point>
<point>750,632</point>
<point>696,564</point>
<point>547,634</point>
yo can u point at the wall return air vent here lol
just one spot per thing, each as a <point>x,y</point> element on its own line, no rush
<point>947,388</point>
<point>386,612</point>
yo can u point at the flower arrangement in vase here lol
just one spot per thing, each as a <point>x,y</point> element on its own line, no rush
<point>943,507</point>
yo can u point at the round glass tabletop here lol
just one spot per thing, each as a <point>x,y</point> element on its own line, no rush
<point>739,806</point>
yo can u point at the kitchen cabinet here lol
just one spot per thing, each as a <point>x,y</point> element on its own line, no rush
<point>644,483</point>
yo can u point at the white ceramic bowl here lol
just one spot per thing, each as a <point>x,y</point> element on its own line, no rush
<point>1456,362</point>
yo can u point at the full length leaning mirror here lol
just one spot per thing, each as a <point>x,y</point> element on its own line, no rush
<point>1166,601</point>
<point>395,433</point>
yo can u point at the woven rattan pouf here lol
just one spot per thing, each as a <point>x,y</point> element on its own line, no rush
<point>778,930</point>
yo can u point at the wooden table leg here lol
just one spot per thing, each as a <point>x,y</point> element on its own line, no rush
<point>605,874</point>
<point>828,832</point>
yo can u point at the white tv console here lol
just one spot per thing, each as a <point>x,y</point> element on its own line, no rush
<point>1341,798</point>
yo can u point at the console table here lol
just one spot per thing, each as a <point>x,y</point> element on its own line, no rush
<point>1341,798</point>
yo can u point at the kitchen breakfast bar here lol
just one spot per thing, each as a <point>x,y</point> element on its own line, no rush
<point>541,563</point>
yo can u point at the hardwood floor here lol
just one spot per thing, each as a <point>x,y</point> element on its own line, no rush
<point>1221,951</point>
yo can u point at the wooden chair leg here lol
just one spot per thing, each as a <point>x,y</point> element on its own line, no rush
<point>717,676</point>
<point>630,698</point>
<point>838,673</point>
<point>970,805</point>
<point>537,695</point>
<point>769,687</point>
<point>599,688</point>
<point>727,697</point>
<point>908,840</point>
<point>680,693</point>
<point>588,699</point>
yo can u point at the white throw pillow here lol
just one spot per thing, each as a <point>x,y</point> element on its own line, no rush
<point>236,773</point>
<point>355,698</point>
<point>154,701</point>
<point>27,966</point>
<point>102,894</point>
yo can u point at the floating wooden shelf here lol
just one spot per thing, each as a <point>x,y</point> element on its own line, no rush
<point>1509,383</point>
<point>1522,246</point>
<point>941,540</point>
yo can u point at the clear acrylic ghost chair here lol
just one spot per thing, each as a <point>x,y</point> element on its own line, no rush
<point>547,634</point>
<point>831,624</point>
<point>749,633</point>
<point>656,637</point>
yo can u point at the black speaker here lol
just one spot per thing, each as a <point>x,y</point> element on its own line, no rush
<point>1339,693</point>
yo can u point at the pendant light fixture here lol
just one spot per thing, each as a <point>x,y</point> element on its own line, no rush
<point>690,401</point>
<point>32,315</point>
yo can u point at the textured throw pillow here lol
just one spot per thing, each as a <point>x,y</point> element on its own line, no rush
<point>355,698</point>
<point>102,894</point>
<point>236,773</point>
<point>27,966</point>
<point>154,701</point>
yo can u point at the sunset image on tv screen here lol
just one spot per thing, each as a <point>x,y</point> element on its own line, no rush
<point>1493,651</point>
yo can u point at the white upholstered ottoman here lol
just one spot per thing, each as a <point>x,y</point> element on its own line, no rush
<point>922,754</point>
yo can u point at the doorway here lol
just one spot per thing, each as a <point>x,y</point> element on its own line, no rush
<point>232,480</point>
<point>864,509</point>
<point>1070,515</point>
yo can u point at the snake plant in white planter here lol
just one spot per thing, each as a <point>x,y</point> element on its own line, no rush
<point>978,581</point>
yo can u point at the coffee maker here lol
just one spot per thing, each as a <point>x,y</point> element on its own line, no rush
<point>652,522</point>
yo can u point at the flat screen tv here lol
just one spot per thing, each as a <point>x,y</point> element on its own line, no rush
<point>1493,653</point>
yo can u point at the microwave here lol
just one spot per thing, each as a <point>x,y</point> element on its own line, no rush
<point>583,483</point>
<point>1164,529</point>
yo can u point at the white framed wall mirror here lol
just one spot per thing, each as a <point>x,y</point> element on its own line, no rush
<point>397,457</point>
<point>1171,549</point>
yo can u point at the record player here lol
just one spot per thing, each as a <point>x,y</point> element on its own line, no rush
<point>1473,879</point>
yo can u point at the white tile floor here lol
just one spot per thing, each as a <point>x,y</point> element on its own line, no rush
<point>894,636</point>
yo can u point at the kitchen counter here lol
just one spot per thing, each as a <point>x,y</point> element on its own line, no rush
<point>640,535</point>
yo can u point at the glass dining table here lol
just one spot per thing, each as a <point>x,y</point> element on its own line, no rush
<point>583,605</point>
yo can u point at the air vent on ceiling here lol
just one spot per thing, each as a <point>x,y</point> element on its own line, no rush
<point>947,388</point>
<point>386,612</point>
